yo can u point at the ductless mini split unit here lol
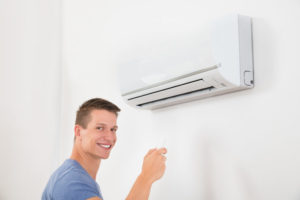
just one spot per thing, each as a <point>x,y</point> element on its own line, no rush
<point>216,61</point>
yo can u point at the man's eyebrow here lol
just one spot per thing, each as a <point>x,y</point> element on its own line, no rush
<point>106,125</point>
<point>100,123</point>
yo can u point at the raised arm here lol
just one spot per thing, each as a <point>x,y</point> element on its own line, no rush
<point>152,170</point>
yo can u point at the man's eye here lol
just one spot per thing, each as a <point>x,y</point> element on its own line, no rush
<point>99,128</point>
<point>114,130</point>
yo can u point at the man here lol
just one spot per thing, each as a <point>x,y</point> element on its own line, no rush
<point>95,136</point>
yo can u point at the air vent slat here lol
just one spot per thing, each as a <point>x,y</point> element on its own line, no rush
<point>178,95</point>
<point>165,89</point>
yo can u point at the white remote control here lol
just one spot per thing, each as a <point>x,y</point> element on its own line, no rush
<point>161,142</point>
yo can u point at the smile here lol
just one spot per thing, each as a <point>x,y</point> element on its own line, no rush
<point>106,146</point>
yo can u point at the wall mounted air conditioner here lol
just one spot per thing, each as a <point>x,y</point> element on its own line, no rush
<point>166,72</point>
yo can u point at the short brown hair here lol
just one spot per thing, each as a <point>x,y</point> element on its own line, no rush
<point>83,113</point>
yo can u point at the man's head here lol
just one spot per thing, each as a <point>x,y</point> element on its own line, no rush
<point>95,127</point>
<point>83,113</point>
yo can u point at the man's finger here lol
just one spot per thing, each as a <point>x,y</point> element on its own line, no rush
<point>150,151</point>
<point>162,150</point>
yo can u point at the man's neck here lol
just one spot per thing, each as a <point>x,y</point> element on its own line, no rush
<point>91,165</point>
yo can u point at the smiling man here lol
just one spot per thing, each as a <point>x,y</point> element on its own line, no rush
<point>95,136</point>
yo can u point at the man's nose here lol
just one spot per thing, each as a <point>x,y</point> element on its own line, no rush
<point>109,135</point>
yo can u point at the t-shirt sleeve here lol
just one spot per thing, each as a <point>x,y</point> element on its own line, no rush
<point>75,187</point>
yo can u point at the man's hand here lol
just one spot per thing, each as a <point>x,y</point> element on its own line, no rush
<point>154,164</point>
<point>152,170</point>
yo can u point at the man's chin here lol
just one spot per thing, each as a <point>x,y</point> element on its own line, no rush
<point>104,157</point>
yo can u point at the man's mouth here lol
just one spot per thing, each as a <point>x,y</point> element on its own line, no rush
<point>106,146</point>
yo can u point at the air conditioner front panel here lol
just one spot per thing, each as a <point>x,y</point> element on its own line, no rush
<point>163,59</point>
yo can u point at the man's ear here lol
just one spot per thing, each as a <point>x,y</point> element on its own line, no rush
<point>77,131</point>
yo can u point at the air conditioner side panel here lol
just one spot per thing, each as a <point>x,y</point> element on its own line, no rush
<point>232,48</point>
<point>246,51</point>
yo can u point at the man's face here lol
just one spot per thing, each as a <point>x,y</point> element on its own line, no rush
<point>99,137</point>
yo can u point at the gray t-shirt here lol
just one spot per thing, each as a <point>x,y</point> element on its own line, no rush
<point>71,182</point>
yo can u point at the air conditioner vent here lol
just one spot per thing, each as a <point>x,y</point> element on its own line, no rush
<point>178,95</point>
<point>179,85</point>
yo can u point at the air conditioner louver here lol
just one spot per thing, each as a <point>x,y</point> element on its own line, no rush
<point>183,95</point>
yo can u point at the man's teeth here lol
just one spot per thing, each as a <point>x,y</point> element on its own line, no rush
<point>107,146</point>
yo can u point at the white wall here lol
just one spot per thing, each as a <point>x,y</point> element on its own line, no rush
<point>237,146</point>
<point>30,77</point>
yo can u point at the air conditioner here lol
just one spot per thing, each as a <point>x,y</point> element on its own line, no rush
<point>215,61</point>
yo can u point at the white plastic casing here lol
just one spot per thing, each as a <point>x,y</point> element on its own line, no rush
<point>218,61</point>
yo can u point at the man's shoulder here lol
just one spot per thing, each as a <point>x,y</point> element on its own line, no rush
<point>70,172</point>
<point>71,181</point>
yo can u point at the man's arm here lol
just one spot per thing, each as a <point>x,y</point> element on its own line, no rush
<point>152,170</point>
